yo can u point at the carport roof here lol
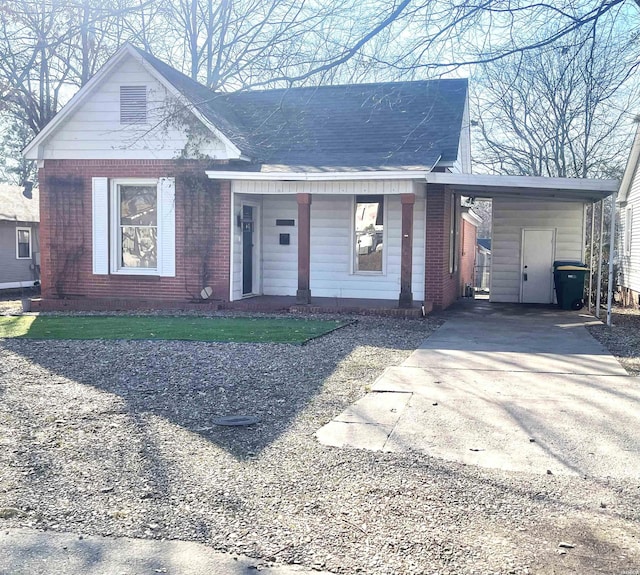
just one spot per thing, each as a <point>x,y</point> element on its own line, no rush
<point>490,186</point>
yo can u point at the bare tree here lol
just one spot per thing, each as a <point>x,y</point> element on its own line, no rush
<point>50,49</point>
<point>232,44</point>
<point>449,34</point>
<point>559,111</point>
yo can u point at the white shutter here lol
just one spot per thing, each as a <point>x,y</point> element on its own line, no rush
<point>100,208</point>
<point>167,227</point>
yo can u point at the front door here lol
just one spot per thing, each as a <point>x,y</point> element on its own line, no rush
<point>537,266</point>
<point>248,227</point>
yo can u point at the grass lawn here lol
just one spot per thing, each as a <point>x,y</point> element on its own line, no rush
<point>275,330</point>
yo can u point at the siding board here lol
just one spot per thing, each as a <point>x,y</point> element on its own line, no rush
<point>331,239</point>
<point>510,217</point>
<point>630,263</point>
<point>94,131</point>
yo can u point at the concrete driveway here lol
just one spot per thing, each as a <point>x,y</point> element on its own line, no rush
<point>521,388</point>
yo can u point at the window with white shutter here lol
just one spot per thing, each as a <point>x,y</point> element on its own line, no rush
<point>134,226</point>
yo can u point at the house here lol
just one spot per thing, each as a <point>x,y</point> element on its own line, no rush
<point>19,245</point>
<point>629,231</point>
<point>155,190</point>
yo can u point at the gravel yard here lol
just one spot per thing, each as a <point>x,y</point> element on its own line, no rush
<point>622,339</point>
<point>117,438</point>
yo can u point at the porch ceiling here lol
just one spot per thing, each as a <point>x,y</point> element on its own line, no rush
<point>562,189</point>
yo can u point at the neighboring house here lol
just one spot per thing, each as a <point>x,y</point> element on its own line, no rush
<point>629,231</point>
<point>155,189</point>
<point>19,245</point>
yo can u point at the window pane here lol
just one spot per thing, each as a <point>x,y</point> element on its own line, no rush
<point>23,244</point>
<point>369,233</point>
<point>139,247</point>
<point>138,205</point>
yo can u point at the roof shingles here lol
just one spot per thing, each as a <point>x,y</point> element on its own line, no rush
<point>396,125</point>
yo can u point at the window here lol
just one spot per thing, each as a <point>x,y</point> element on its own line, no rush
<point>369,234</point>
<point>133,104</point>
<point>133,223</point>
<point>135,233</point>
<point>628,225</point>
<point>23,243</point>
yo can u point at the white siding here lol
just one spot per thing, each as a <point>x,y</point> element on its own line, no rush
<point>630,264</point>
<point>510,217</point>
<point>331,239</point>
<point>462,165</point>
<point>332,246</point>
<point>279,263</point>
<point>324,188</point>
<point>94,130</point>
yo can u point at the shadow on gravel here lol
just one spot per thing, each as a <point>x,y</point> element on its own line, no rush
<point>190,384</point>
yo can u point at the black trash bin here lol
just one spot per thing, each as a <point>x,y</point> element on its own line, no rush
<point>568,278</point>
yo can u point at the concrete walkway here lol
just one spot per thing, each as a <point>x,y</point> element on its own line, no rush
<point>32,552</point>
<point>503,386</point>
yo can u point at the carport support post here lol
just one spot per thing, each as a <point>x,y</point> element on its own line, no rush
<point>591,256</point>
<point>612,253</point>
<point>303,295</point>
<point>406,254</point>
<point>599,290</point>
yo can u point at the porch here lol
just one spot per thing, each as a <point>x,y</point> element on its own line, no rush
<point>259,304</point>
<point>359,306</point>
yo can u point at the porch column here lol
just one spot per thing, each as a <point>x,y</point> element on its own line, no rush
<point>303,295</point>
<point>406,256</point>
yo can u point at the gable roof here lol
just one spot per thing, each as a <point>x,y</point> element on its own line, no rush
<point>16,207</point>
<point>381,126</point>
<point>31,150</point>
<point>392,125</point>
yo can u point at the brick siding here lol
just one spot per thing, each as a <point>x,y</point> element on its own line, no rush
<point>64,226</point>
<point>441,286</point>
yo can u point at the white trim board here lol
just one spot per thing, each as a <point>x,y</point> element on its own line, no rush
<point>16,285</point>
<point>481,185</point>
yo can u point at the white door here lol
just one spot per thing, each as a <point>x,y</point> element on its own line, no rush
<point>537,266</point>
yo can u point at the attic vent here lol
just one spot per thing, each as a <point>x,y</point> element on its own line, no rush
<point>133,104</point>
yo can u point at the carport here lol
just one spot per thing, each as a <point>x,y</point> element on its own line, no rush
<point>537,220</point>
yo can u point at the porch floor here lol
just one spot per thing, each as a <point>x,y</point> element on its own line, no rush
<point>264,304</point>
<point>362,306</point>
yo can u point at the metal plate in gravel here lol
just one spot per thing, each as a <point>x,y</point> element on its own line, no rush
<point>236,420</point>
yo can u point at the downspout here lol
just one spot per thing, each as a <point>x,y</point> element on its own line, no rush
<point>612,251</point>
<point>599,290</point>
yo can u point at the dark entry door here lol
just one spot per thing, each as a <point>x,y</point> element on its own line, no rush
<point>247,249</point>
